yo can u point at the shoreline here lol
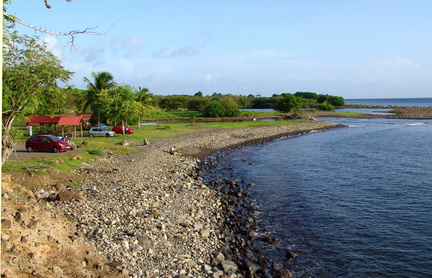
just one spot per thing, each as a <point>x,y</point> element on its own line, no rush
<point>148,214</point>
<point>158,218</point>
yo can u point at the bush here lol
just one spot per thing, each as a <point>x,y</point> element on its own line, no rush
<point>234,113</point>
<point>326,107</point>
<point>336,101</point>
<point>288,103</point>
<point>95,152</point>
<point>215,109</point>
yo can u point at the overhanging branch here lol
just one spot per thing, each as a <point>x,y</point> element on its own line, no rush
<point>47,4</point>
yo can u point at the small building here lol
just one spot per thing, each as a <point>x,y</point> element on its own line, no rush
<point>68,124</point>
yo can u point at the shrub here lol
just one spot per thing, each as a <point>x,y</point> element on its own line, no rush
<point>215,109</point>
<point>95,152</point>
<point>234,113</point>
<point>288,103</point>
<point>326,107</point>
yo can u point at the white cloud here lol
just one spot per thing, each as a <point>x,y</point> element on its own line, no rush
<point>184,51</point>
<point>209,77</point>
<point>128,46</point>
<point>53,46</point>
<point>158,53</point>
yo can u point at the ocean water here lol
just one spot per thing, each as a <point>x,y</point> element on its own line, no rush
<point>352,202</point>
<point>392,101</point>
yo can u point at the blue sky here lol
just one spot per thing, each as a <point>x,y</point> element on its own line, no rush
<point>348,48</point>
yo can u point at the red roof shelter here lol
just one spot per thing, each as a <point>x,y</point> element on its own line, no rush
<point>63,121</point>
<point>42,120</point>
<point>85,116</point>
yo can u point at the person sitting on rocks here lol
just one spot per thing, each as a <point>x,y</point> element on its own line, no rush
<point>173,151</point>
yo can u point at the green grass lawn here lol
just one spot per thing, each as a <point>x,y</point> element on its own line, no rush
<point>98,146</point>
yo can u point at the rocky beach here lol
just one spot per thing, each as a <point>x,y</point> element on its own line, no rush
<point>147,214</point>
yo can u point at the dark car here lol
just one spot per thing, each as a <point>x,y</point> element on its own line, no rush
<point>46,142</point>
<point>119,129</point>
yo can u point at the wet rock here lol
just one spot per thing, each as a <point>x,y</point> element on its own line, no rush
<point>291,256</point>
<point>229,265</point>
<point>269,239</point>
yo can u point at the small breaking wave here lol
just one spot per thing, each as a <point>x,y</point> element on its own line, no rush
<point>416,124</point>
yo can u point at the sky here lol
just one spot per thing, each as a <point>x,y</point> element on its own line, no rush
<point>348,48</point>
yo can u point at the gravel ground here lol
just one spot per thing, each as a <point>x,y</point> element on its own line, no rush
<point>150,214</point>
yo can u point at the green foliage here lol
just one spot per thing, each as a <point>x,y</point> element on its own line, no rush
<point>326,107</point>
<point>307,95</point>
<point>263,102</point>
<point>95,151</point>
<point>229,103</point>
<point>96,89</point>
<point>30,76</point>
<point>197,104</point>
<point>322,98</point>
<point>215,109</point>
<point>119,104</point>
<point>145,102</point>
<point>172,103</point>
<point>288,103</point>
<point>234,113</point>
<point>336,101</point>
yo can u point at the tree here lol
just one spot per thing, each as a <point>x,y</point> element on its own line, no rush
<point>197,104</point>
<point>118,105</point>
<point>172,103</point>
<point>288,103</point>
<point>102,82</point>
<point>30,75</point>
<point>215,109</point>
<point>144,101</point>
<point>308,95</point>
<point>336,101</point>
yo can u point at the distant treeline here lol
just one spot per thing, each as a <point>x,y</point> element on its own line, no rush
<point>198,102</point>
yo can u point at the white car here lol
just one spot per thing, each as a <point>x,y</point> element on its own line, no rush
<point>98,131</point>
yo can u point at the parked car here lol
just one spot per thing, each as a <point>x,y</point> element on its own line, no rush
<point>99,131</point>
<point>46,142</point>
<point>118,129</point>
<point>103,126</point>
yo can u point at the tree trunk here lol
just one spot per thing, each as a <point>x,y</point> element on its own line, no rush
<point>8,144</point>
<point>123,129</point>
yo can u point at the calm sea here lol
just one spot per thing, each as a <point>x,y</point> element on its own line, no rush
<point>353,202</point>
<point>392,101</point>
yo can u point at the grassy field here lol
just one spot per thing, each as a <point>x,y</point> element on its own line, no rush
<point>99,146</point>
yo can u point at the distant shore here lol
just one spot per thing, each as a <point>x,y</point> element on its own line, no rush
<point>396,112</point>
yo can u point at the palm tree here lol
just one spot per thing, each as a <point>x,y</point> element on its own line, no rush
<point>103,81</point>
<point>144,100</point>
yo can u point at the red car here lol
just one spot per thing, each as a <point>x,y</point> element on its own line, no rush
<point>119,129</point>
<point>46,142</point>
